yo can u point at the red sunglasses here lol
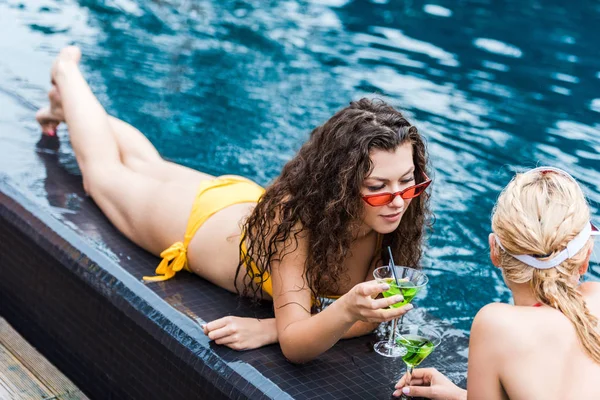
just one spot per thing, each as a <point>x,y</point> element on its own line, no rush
<point>382,199</point>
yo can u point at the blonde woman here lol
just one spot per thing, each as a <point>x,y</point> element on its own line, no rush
<point>546,346</point>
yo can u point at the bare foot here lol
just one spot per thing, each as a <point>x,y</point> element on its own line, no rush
<point>242,333</point>
<point>50,117</point>
<point>68,56</point>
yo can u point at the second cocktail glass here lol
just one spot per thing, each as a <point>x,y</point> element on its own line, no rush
<point>419,342</point>
<point>410,282</point>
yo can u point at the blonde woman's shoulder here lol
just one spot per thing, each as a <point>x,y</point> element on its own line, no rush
<point>492,320</point>
<point>508,324</point>
<point>591,292</point>
<point>590,288</point>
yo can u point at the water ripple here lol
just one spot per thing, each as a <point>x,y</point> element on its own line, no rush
<point>437,10</point>
<point>498,47</point>
<point>236,87</point>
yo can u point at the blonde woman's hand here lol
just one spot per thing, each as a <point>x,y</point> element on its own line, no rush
<point>430,383</point>
<point>242,333</point>
<point>360,303</point>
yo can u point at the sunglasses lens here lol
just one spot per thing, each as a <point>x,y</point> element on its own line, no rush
<point>380,200</point>
<point>411,192</point>
<point>414,191</point>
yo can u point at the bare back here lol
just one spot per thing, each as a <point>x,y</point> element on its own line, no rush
<point>534,352</point>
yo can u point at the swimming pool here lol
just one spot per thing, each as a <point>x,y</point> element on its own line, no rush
<point>236,86</point>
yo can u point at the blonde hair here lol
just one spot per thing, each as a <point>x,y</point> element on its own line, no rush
<point>537,214</point>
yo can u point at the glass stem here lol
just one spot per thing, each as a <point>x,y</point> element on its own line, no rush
<point>392,339</point>
<point>409,372</point>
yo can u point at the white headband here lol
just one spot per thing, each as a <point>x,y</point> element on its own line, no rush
<point>573,247</point>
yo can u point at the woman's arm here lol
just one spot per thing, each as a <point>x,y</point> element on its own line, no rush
<point>360,328</point>
<point>487,351</point>
<point>303,336</point>
<point>250,333</point>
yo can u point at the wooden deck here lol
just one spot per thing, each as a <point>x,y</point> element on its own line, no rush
<point>26,375</point>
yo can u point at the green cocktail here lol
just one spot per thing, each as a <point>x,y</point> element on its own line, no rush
<point>406,288</point>
<point>417,348</point>
<point>409,284</point>
<point>418,343</point>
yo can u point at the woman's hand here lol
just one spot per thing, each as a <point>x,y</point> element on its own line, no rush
<point>430,383</point>
<point>242,333</point>
<point>360,304</point>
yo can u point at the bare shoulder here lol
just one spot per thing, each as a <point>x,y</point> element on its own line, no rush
<point>492,320</point>
<point>487,335</point>
<point>591,292</point>
<point>591,288</point>
<point>495,323</point>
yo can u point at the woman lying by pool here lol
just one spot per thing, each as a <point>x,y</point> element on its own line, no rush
<point>546,346</point>
<point>354,188</point>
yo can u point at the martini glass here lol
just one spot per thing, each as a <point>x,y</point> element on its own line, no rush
<point>410,282</point>
<point>419,343</point>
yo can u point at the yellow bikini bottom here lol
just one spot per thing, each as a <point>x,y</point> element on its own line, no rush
<point>213,196</point>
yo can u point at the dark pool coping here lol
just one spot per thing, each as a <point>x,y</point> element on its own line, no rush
<point>125,293</point>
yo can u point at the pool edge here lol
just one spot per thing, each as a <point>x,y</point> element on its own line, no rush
<point>82,311</point>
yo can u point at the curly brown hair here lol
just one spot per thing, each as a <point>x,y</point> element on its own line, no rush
<point>318,192</point>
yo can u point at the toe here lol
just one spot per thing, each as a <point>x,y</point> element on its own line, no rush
<point>46,115</point>
<point>71,53</point>
<point>47,121</point>
<point>43,115</point>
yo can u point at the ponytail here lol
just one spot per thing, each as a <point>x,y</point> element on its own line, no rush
<point>557,290</point>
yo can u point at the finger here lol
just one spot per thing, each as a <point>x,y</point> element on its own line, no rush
<point>418,375</point>
<point>234,344</point>
<point>423,373</point>
<point>372,288</point>
<point>415,391</point>
<point>218,323</point>
<point>220,333</point>
<point>227,340</point>
<point>401,382</point>
<point>413,382</point>
<point>387,301</point>
<point>393,313</point>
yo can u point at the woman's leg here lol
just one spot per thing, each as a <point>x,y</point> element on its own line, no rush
<point>151,212</point>
<point>135,150</point>
<point>138,153</point>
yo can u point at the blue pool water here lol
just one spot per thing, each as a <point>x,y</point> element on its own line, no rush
<point>236,86</point>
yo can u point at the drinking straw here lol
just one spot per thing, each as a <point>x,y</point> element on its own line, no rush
<point>393,266</point>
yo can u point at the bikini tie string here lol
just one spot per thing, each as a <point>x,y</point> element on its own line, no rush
<point>174,259</point>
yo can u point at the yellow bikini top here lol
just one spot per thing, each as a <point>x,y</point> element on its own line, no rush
<point>264,278</point>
